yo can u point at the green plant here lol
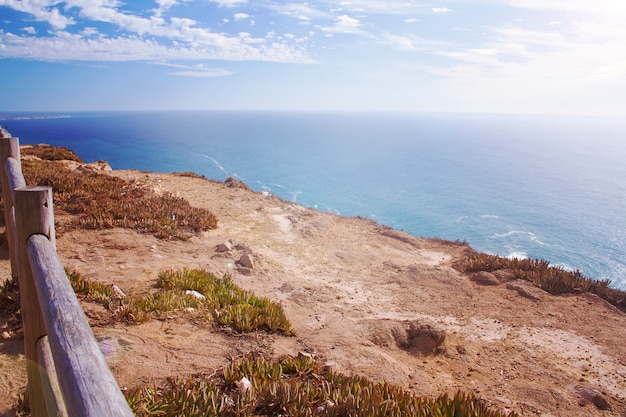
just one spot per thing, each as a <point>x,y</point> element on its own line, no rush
<point>190,289</point>
<point>276,388</point>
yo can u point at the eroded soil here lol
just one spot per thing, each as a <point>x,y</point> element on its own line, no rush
<point>352,290</point>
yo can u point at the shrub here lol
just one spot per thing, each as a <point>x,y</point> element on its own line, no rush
<point>216,299</point>
<point>51,153</point>
<point>102,201</point>
<point>553,279</point>
<point>294,387</point>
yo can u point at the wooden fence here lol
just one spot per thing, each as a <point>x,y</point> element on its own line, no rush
<point>67,372</point>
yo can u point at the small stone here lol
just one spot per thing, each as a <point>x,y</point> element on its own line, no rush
<point>329,366</point>
<point>303,354</point>
<point>195,294</point>
<point>244,385</point>
<point>246,261</point>
<point>504,275</point>
<point>485,278</point>
<point>119,291</point>
<point>224,247</point>
<point>525,289</point>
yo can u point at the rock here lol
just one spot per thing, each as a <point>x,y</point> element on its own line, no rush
<point>224,247</point>
<point>326,405</point>
<point>526,289</point>
<point>485,278</point>
<point>233,183</point>
<point>329,366</point>
<point>101,166</point>
<point>119,291</point>
<point>504,275</point>
<point>98,166</point>
<point>195,294</point>
<point>246,260</point>
<point>245,387</point>
<point>424,339</point>
<point>592,396</point>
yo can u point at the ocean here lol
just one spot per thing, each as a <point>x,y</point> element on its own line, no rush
<point>545,187</point>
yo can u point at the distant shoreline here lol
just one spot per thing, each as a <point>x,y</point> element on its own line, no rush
<point>33,117</point>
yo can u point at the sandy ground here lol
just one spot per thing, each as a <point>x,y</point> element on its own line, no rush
<point>353,291</point>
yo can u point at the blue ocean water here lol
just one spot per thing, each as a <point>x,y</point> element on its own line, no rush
<point>527,186</point>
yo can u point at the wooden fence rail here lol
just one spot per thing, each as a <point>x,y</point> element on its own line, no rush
<point>67,372</point>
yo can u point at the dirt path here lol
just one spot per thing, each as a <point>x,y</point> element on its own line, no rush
<point>356,293</point>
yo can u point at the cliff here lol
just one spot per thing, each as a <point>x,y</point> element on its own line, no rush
<point>363,298</point>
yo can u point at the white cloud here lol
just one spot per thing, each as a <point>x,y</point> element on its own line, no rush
<point>240,16</point>
<point>520,65</point>
<point>404,43</point>
<point>41,10</point>
<point>65,46</point>
<point>30,30</point>
<point>344,24</point>
<point>583,7</point>
<point>391,7</point>
<point>440,10</point>
<point>302,11</point>
<point>197,71</point>
<point>410,20</point>
<point>229,3</point>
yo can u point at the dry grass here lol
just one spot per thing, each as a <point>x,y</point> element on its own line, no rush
<point>101,201</point>
<point>292,387</point>
<point>553,279</point>
<point>51,153</point>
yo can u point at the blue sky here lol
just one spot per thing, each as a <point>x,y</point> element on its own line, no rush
<point>513,56</point>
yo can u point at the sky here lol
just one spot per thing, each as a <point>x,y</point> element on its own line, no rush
<point>496,56</point>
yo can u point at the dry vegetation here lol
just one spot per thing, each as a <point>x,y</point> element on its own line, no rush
<point>101,201</point>
<point>250,386</point>
<point>553,279</point>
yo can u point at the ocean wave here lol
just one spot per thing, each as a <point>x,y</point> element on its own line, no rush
<point>489,216</point>
<point>213,160</point>
<point>517,255</point>
<point>530,235</point>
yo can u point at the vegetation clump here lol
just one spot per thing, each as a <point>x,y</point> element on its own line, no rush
<point>10,306</point>
<point>192,291</point>
<point>293,387</point>
<point>553,279</point>
<point>102,201</point>
<point>51,153</point>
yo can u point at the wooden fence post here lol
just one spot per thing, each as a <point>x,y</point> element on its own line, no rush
<point>9,148</point>
<point>33,215</point>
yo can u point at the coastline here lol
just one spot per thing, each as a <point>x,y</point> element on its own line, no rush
<point>353,289</point>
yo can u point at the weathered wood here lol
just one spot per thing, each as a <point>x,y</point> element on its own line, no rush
<point>51,389</point>
<point>88,386</point>
<point>33,215</point>
<point>10,149</point>
<point>13,174</point>
<point>13,170</point>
